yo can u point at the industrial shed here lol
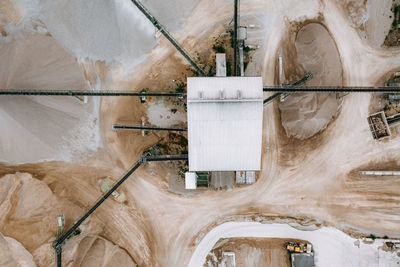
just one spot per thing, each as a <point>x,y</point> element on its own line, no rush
<point>224,123</point>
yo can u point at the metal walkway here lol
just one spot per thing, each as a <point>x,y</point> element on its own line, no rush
<point>144,159</point>
<point>117,127</point>
<point>167,35</point>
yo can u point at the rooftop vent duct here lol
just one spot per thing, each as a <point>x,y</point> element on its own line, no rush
<point>221,95</point>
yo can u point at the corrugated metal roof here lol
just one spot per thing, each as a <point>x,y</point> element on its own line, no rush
<point>225,134</point>
<point>210,87</point>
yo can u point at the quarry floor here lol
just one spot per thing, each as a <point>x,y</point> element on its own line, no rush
<point>309,182</point>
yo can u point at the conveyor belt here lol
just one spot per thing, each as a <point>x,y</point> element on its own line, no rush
<point>307,76</point>
<point>167,35</point>
<point>278,89</point>
<point>331,89</point>
<point>60,242</point>
<point>85,93</point>
<point>393,119</point>
<point>236,70</point>
<point>117,127</point>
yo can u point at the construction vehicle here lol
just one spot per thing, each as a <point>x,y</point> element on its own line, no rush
<point>298,247</point>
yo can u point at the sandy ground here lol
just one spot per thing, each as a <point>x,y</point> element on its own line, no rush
<point>331,247</point>
<point>305,182</point>
<point>12,253</point>
<point>379,21</point>
<point>261,252</point>
<point>159,114</point>
<point>371,18</point>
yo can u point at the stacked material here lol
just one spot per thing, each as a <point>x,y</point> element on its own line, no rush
<point>43,128</point>
<point>304,115</point>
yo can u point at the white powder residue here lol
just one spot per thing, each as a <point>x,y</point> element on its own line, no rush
<point>160,115</point>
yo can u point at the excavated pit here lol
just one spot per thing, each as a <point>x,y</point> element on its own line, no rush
<point>306,114</point>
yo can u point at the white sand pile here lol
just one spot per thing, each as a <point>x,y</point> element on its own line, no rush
<point>13,254</point>
<point>32,60</point>
<point>99,30</point>
<point>43,128</point>
<point>171,13</point>
<point>63,128</point>
<point>304,115</point>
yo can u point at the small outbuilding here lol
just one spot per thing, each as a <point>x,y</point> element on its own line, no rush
<point>190,180</point>
<point>302,260</point>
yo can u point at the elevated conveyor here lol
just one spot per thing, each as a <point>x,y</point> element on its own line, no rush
<point>167,35</point>
<point>85,93</point>
<point>117,127</point>
<point>144,159</point>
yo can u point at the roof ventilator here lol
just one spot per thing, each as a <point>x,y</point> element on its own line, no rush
<point>239,94</point>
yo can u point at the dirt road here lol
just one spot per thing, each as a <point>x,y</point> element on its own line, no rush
<point>306,181</point>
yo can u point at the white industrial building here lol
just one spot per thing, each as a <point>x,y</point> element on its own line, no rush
<point>224,123</point>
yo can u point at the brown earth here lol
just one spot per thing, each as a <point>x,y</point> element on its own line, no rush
<point>310,49</point>
<point>303,181</point>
